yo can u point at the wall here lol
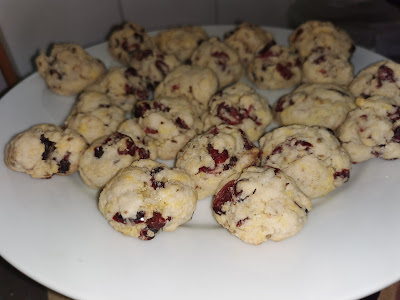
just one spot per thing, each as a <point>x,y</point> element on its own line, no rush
<point>27,26</point>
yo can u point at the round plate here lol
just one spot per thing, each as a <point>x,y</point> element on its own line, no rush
<point>52,230</point>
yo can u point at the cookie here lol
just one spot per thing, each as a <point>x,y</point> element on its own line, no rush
<point>196,84</point>
<point>69,69</point>
<point>220,58</point>
<point>211,157</point>
<point>239,105</point>
<point>327,68</point>
<point>372,129</point>
<point>45,150</point>
<point>317,36</point>
<point>274,68</point>
<point>381,78</point>
<point>248,39</point>
<point>125,40</point>
<point>170,122</point>
<point>94,116</point>
<point>261,204</point>
<point>153,65</point>
<point>312,156</point>
<point>123,86</point>
<point>181,41</point>
<point>314,104</point>
<point>147,197</point>
<point>107,155</point>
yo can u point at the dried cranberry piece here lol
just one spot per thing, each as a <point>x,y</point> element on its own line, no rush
<point>149,130</point>
<point>234,116</point>
<point>175,87</point>
<point>142,54</point>
<point>118,218</point>
<point>141,108</point>
<point>214,131</point>
<point>131,149</point>
<point>277,150</point>
<point>222,59</point>
<point>305,144</point>
<point>98,151</point>
<point>139,217</point>
<point>266,48</point>
<point>240,222</point>
<point>223,196</point>
<point>64,164</point>
<point>130,72</point>
<point>396,136</point>
<point>279,104</point>
<point>162,66</point>
<point>49,147</point>
<point>160,106</point>
<point>218,157</point>
<point>344,173</point>
<point>247,143</point>
<point>154,183</point>
<point>144,235</point>
<point>156,222</point>
<point>284,70</point>
<point>385,73</point>
<point>318,49</point>
<point>181,123</point>
<point>319,60</point>
<point>129,90</point>
<point>231,164</point>
<point>396,115</point>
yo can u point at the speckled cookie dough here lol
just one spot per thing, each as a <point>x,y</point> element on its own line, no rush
<point>261,204</point>
<point>147,197</point>
<point>45,150</point>
<point>196,84</point>
<point>239,105</point>
<point>107,155</point>
<point>94,116</point>
<point>314,104</point>
<point>248,39</point>
<point>153,65</point>
<point>276,67</point>
<point>181,41</point>
<point>316,36</point>
<point>372,130</point>
<point>220,58</point>
<point>213,156</point>
<point>171,122</point>
<point>327,68</point>
<point>123,86</point>
<point>312,156</point>
<point>69,69</point>
<point>125,40</point>
<point>381,78</point>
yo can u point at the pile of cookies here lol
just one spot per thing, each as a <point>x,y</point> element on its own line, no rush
<point>178,96</point>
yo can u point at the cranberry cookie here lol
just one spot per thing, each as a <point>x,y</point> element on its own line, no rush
<point>45,150</point>
<point>261,204</point>
<point>153,65</point>
<point>147,197</point>
<point>312,156</point>
<point>239,105</point>
<point>248,39</point>
<point>107,155</point>
<point>327,68</point>
<point>317,36</point>
<point>381,78</point>
<point>196,84</point>
<point>276,67</point>
<point>181,41</point>
<point>213,156</point>
<point>170,122</point>
<point>69,69</point>
<point>125,40</point>
<point>123,86</point>
<point>220,58</point>
<point>372,130</point>
<point>314,104</point>
<point>94,116</point>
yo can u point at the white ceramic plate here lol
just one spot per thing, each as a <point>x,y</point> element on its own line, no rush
<point>52,231</point>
